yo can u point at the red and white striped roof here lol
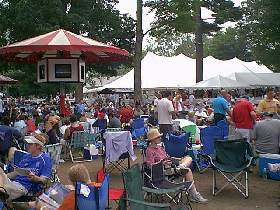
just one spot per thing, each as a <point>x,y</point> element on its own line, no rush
<point>7,80</point>
<point>64,44</point>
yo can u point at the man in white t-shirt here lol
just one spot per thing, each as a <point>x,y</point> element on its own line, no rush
<point>165,111</point>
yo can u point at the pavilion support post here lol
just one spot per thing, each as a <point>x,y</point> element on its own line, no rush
<point>61,98</point>
<point>138,53</point>
<point>199,46</point>
<point>79,92</point>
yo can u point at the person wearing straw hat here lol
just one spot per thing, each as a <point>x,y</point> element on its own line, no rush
<point>34,169</point>
<point>156,153</point>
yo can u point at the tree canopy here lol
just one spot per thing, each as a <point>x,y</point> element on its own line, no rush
<point>262,26</point>
<point>180,15</point>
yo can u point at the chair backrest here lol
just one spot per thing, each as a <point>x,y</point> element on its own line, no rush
<point>133,182</point>
<point>157,172</point>
<point>79,139</point>
<point>18,155</point>
<point>225,127</point>
<point>139,132</point>
<point>233,153</point>
<point>54,151</point>
<point>138,123</point>
<point>85,197</point>
<point>102,124</point>
<point>5,139</point>
<point>103,193</point>
<point>208,136</point>
<point>176,146</point>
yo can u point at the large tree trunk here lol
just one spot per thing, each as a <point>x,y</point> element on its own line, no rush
<point>79,92</point>
<point>199,47</point>
<point>138,53</point>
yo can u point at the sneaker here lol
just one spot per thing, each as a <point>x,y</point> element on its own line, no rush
<point>61,161</point>
<point>273,167</point>
<point>197,198</point>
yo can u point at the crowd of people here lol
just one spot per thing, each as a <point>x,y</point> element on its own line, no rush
<point>44,124</point>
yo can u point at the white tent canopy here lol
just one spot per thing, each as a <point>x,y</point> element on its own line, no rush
<point>220,82</point>
<point>180,71</point>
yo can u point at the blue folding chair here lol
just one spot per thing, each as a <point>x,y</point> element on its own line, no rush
<point>176,146</point>
<point>208,136</point>
<point>92,198</point>
<point>85,197</point>
<point>138,123</point>
<point>139,131</point>
<point>225,128</point>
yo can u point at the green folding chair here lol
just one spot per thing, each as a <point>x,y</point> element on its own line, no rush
<point>133,182</point>
<point>232,159</point>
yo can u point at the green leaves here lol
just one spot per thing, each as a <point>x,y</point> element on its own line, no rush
<point>179,15</point>
<point>261,21</point>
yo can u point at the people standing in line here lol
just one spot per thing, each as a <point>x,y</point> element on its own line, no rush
<point>221,107</point>
<point>244,118</point>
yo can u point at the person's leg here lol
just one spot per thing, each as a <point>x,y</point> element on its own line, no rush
<point>185,162</point>
<point>3,178</point>
<point>195,196</point>
<point>15,189</point>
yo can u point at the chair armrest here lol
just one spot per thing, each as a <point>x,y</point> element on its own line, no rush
<point>209,158</point>
<point>144,203</point>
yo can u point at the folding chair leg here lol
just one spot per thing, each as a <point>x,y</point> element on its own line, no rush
<point>214,183</point>
<point>71,156</point>
<point>246,185</point>
<point>234,181</point>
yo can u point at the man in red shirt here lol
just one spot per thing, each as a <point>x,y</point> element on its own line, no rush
<point>244,117</point>
<point>126,114</point>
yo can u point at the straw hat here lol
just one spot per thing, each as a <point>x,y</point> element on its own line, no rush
<point>153,134</point>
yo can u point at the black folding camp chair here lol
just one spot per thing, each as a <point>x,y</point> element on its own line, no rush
<point>232,159</point>
<point>159,185</point>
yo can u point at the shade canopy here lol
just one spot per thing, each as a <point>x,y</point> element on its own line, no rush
<point>220,82</point>
<point>180,71</point>
<point>7,80</point>
<point>61,44</point>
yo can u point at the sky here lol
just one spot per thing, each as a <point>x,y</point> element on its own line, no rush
<point>129,6</point>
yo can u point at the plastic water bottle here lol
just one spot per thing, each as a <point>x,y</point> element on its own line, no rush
<point>265,173</point>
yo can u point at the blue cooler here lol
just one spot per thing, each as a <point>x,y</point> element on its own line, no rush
<point>264,159</point>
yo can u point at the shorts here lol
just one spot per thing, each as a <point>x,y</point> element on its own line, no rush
<point>242,133</point>
<point>14,189</point>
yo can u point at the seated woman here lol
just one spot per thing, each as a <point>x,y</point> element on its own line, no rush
<point>74,126</point>
<point>156,153</point>
<point>51,132</point>
<point>77,173</point>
